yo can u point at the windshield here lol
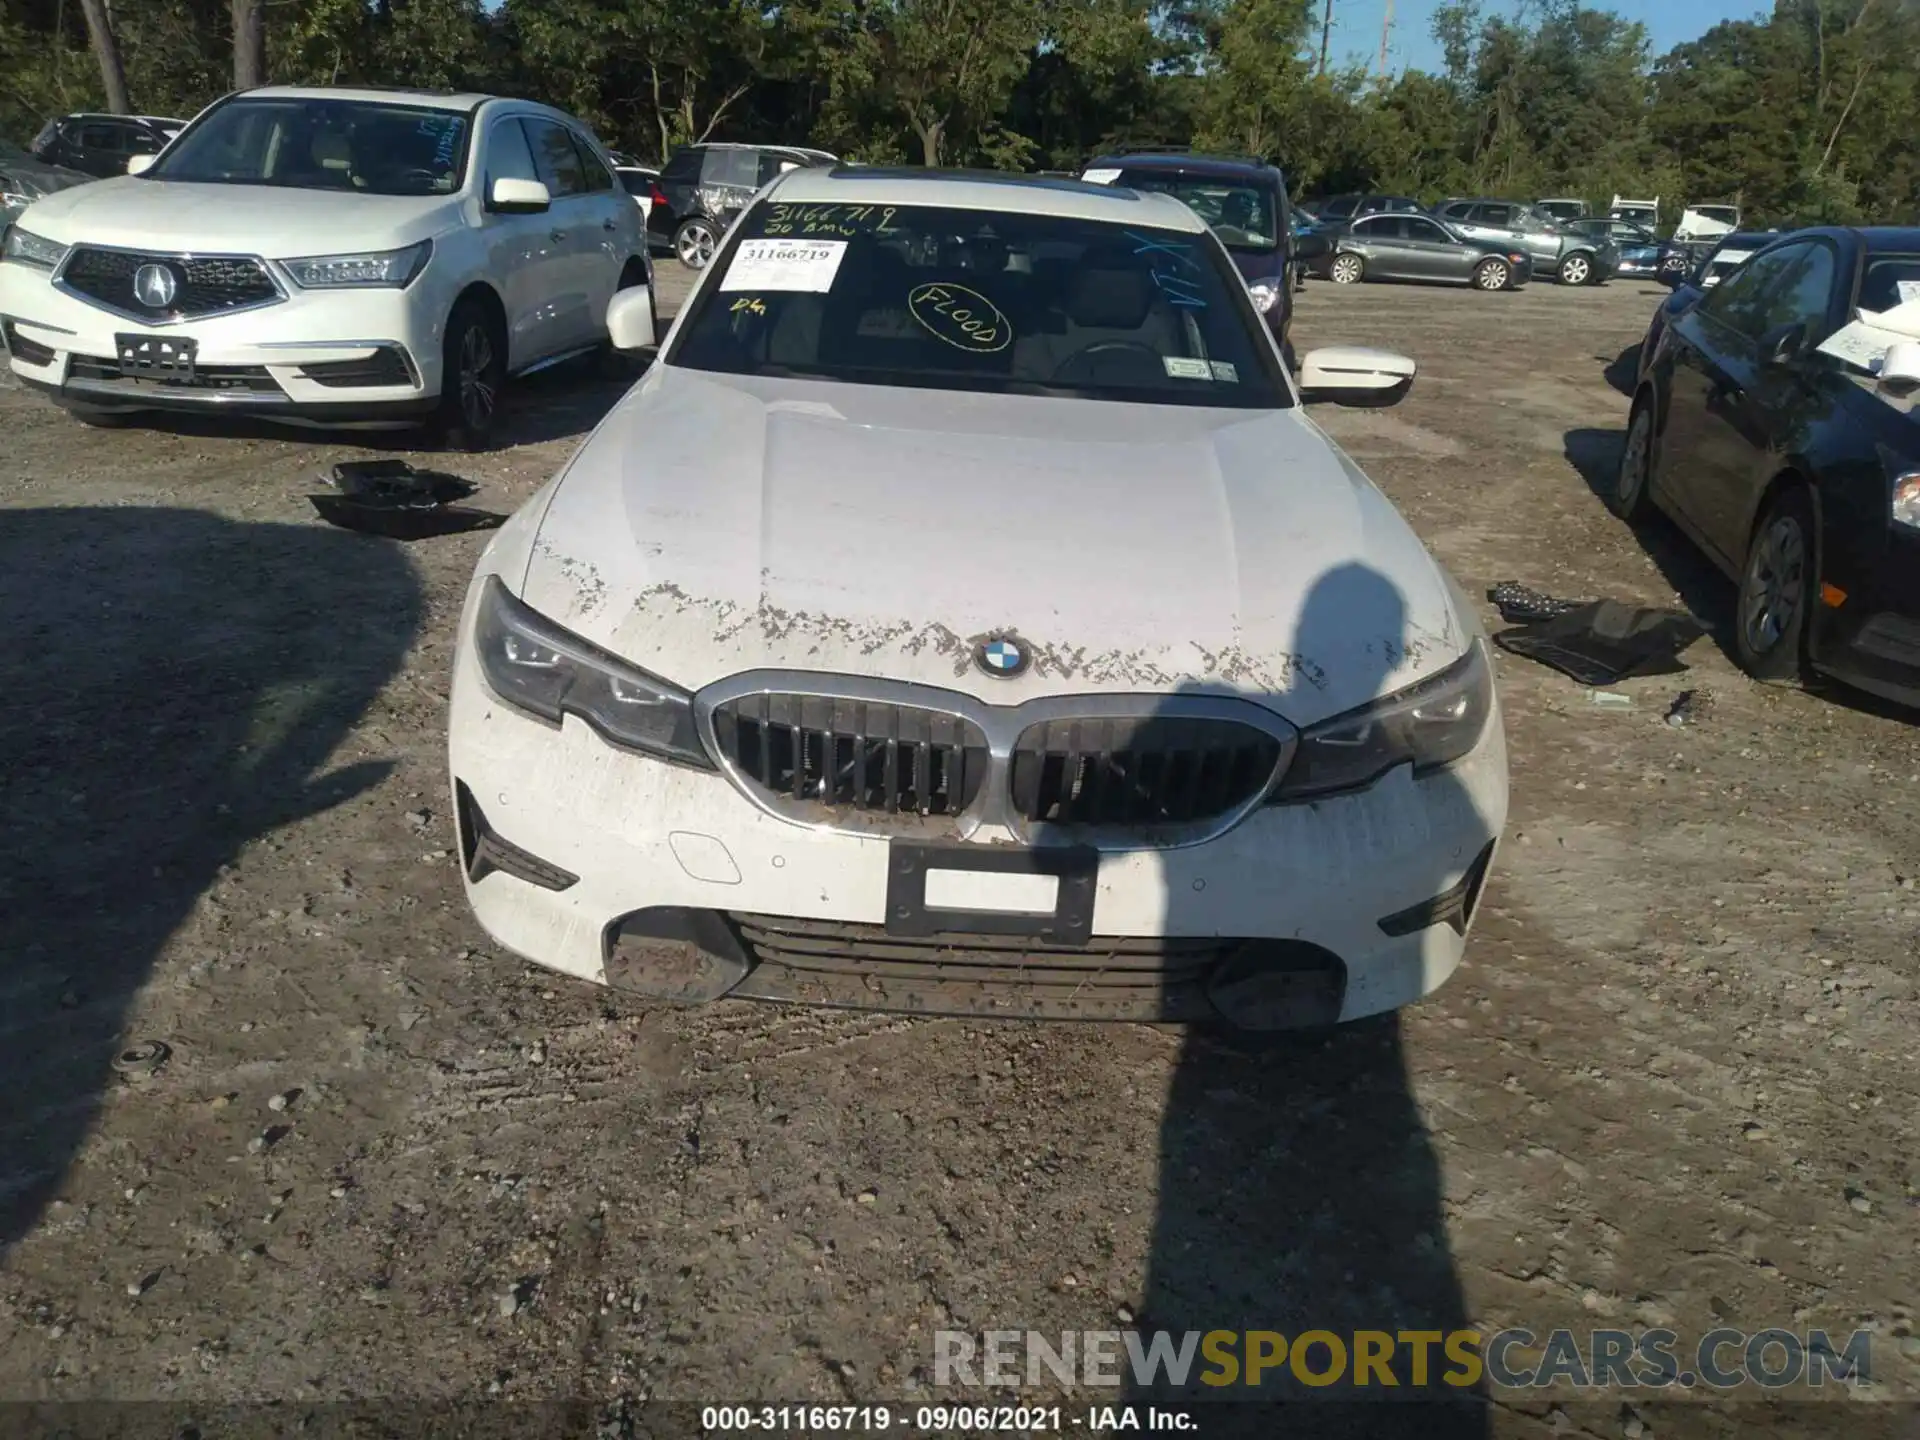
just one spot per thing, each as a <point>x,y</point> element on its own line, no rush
<point>980,300</point>
<point>1241,215</point>
<point>1725,214</point>
<point>302,144</point>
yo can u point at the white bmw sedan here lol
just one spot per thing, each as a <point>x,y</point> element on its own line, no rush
<point>964,616</point>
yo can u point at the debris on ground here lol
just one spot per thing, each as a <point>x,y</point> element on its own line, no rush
<point>1689,707</point>
<point>391,498</point>
<point>1522,605</point>
<point>1605,641</point>
<point>143,1061</point>
<point>1609,700</point>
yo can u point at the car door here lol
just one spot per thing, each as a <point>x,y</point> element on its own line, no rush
<point>1708,362</point>
<point>612,235</point>
<point>1436,254</point>
<point>574,231</point>
<point>1376,238</point>
<point>528,266</point>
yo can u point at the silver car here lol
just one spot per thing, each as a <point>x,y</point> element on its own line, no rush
<point>1570,257</point>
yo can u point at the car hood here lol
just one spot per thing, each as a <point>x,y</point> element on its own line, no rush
<point>271,220</point>
<point>715,524</point>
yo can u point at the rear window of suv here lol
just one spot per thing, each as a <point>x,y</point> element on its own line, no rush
<point>1242,215</point>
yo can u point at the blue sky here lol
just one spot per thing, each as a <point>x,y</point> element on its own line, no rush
<point>1356,25</point>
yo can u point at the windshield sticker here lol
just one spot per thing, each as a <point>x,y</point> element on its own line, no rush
<point>1101,177</point>
<point>1173,270</point>
<point>1181,368</point>
<point>802,265</point>
<point>963,318</point>
<point>847,220</point>
<point>1223,371</point>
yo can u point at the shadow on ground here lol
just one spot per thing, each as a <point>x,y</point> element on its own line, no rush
<point>175,684</point>
<point>1299,1189</point>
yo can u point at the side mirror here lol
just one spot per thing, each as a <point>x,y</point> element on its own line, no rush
<point>1355,375</point>
<point>1900,370</point>
<point>140,164</point>
<point>630,319</point>
<point>1782,344</point>
<point>518,197</point>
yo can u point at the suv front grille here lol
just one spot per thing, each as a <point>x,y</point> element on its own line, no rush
<point>1153,771</point>
<point>203,284</point>
<point>824,754</point>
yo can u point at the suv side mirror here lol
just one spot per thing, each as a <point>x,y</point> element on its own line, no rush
<point>630,319</point>
<point>1355,375</point>
<point>139,164</point>
<point>518,197</point>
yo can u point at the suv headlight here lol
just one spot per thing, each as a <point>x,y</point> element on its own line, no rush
<point>1429,725</point>
<point>1265,293</point>
<point>536,666</point>
<point>381,269</point>
<point>26,248</point>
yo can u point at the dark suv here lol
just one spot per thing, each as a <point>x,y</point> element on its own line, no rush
<point>704,186</point>
<point>102,144</point>
<point>1243,200</point>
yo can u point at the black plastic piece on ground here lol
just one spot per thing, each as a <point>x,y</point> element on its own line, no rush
<point>1521,604</point>
<point>1605,641</point>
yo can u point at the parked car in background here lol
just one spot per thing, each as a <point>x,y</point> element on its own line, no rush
<point>101,145</point>
<point>1244,202</point>
<point>1707,222</point>
<point>1569,256</point>
<point>1562,209</point>
<point>1796,471</point>
<point>976,830</point>
<point>1639,249</point>
<point>1641,212</point>
<point>1352,207</point>
<point>703,187</point>
<point>1416,247</point>
<point>641,182</point>
<point>24,180</point>
<point>334,255</point>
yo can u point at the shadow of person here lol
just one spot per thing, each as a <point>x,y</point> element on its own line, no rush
<point>1298,1186</point>
<point>175,685</point>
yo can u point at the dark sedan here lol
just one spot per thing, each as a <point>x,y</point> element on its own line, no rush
<point>1411,247</point>
<point>1796,471</point>
<point>1717,261</point>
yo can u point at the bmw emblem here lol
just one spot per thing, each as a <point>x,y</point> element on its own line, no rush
<point>154,286</point>
<point>1002,656</point>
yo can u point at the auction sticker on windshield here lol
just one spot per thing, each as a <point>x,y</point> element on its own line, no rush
<point>1101,177</point>
<point>806,265</point>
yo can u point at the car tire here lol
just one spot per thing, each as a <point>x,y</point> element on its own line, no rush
<point>473,374</point>
<point>1576,269</point>
<point>1777,585</point>
<point>1633,480</point>
<point>695,241</point>
<point>1492,274</point>
<point>1347,270</point>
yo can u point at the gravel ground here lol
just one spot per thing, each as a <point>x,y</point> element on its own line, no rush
<point>1672,1085</point>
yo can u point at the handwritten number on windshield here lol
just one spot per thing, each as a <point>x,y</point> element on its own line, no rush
<point>847,220</point>
<point>1174,270</point>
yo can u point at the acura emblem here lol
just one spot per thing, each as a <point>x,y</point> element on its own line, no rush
<point>154,286</point>
<point>1002,655</point>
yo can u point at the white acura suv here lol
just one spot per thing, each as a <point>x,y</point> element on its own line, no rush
<point>333,255</point>
<point>964,616</point>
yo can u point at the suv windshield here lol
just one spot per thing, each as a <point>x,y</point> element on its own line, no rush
<point>981,300</point>
<point>304,144</point>
<point>1241,215</point>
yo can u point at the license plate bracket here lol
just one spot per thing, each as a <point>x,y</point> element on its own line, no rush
<point>1070,922</point>
<point>162,359</point>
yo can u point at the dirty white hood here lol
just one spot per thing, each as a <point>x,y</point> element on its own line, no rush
<point>277,221</point>
<point>716,524</point>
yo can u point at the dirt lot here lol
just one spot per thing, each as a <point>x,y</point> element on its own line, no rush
<point>1673,1084</point>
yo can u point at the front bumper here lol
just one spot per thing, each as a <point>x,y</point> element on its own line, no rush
<point>668,881</point>
<point>1872,639</point>
<point>348,355</point>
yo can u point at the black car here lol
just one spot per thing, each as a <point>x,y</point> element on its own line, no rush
<point>702,187</point>
<point>1242,199</point>
<point>101,145</point>
<point>1796,471</point>
<point>1414,247</point>
<point>1715,262</point>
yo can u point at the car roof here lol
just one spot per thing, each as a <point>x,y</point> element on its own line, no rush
<point>985,190</point>
<point>425,99</point>
<point>1223,165</point>
<point>1900,238</point>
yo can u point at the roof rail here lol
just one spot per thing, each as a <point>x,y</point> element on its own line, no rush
<point>1188,151</point>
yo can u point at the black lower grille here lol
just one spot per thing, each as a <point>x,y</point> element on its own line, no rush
<point>817,751</point>
<point>1161,770</point>
<point>386,366</point>
<point>31,351</point>
<point>253,379</point>
<point>201,285</point>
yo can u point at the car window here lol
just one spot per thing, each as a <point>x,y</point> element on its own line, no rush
<point>1337,208</point>
<point>635,183</point>
<point>298,142</point>
<point>1740,302</point>
<point>109,138</point>
<point>508,155</point>
<point>1889,281</point>
<point>1418,227</point>
<point>559,160</point>
<point>980,300</point>
<point>1804,293</point>
<point>1241,215</point>
<point>732,167</point>
<point>1379,227</point>
<point>683,165</point>
<point>1458,212</point>
<point>1493,214</point>
<point>771,165</point>
<point>598,177</point>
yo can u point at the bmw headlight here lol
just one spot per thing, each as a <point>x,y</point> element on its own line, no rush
<point>1428,725</point>
<point>1265,293</point>
<point>536,666</point>
<point>26,248</point>
<point>376,269</point>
